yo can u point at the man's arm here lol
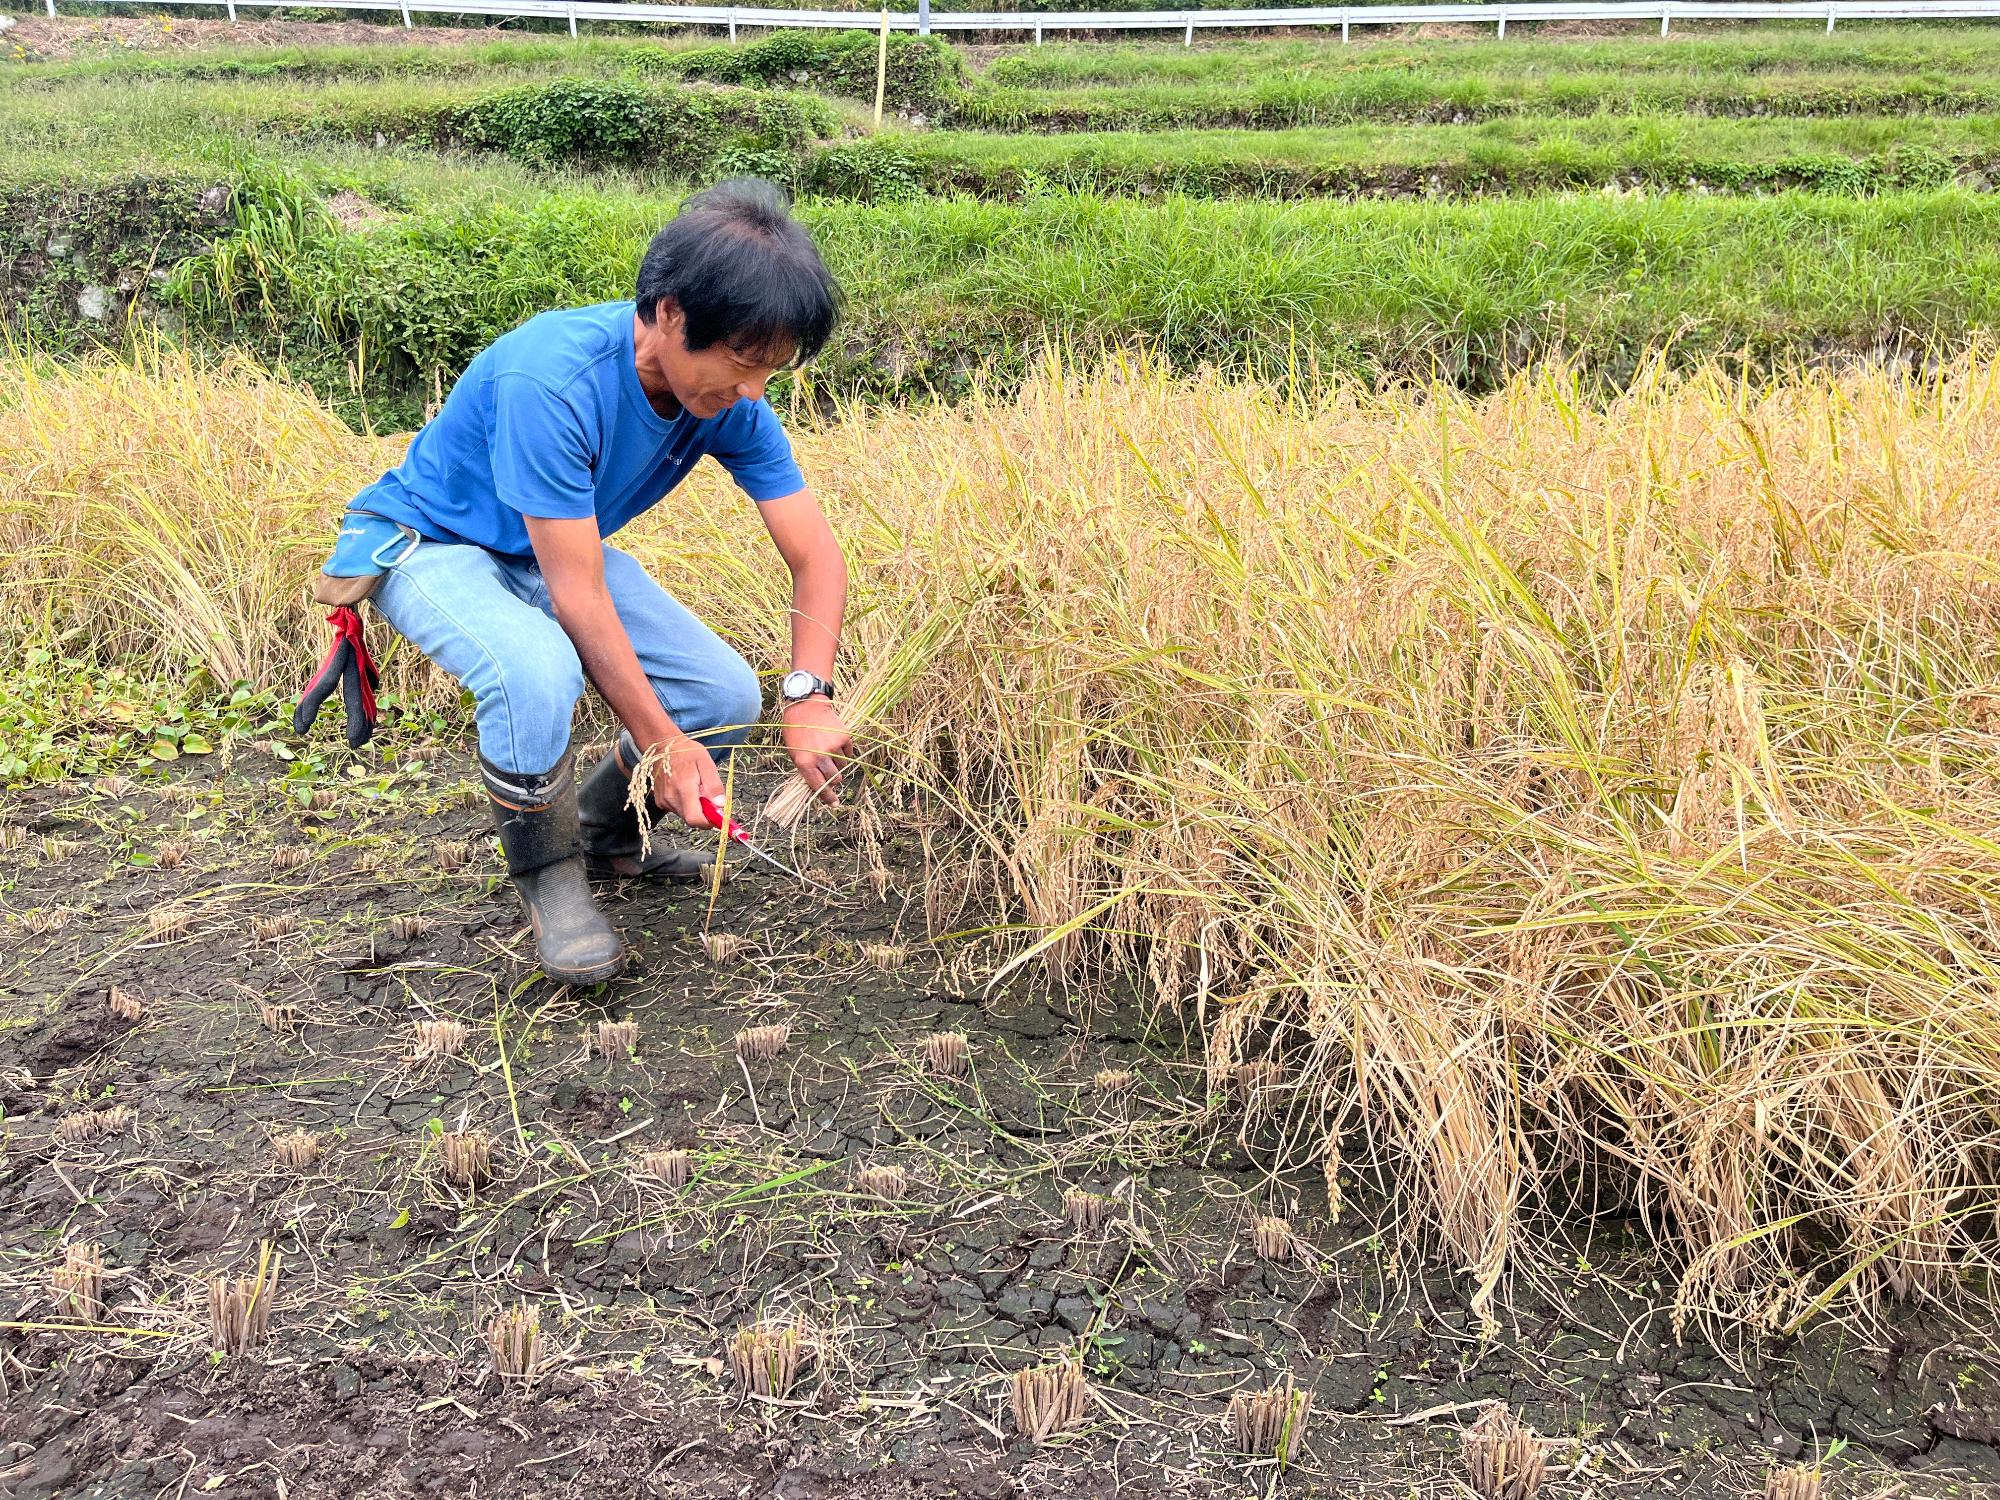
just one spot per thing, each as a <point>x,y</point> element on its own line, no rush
<point>571,555</point>
<point>815,735</point>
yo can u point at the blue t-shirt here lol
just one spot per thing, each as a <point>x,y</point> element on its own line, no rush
<point>550,420</point>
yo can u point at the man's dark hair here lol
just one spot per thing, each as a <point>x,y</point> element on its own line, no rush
<point>743,272</point>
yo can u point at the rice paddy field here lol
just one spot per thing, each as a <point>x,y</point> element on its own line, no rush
<point>1418,918</point>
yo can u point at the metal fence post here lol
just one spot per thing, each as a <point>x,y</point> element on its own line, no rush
<point>1038,33</point>
<point>52,9</point>
<point>572,23</point>
<point>407,22</point>
<point>1663,19</point>
<point>1829,17</point>
<point>732,25</point>
<point>1188,40</point>
<point>1343,28</point>
<point>1501,34</point>
<point>923,17</point>
<point>232,10</point>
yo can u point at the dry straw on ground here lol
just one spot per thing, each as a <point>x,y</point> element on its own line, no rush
<point>514,1338</point>
<point>1083,1210</point>
<point>435,1037</point>
<point>295,1150</point>
<point>947,1053</point>
<point>1273,1237</point>
<point>466,1157</point>
<point>762,1043</point>
<point>167,924</point>
<point>1047,1399</point>
<point>768,1359</point>
<point>1798,1482</point>
<point>886,1183</point>
<point>1270,1423</point>
<point>125,1005</point>
<point>614,1038</point>
<point>1575,794</point>
<point>79,1281</point>
<point>1504,1459</point>
<point>88,1127</point>
<point>670,1165</point>
<point>239,1307</point>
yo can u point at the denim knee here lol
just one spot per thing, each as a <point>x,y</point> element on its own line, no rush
<point>728,702</point>
<point>525,712</point>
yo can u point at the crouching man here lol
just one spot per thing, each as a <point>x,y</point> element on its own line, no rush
<point>558,434</point>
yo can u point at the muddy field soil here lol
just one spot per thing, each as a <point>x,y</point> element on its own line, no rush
<point>274,943</point>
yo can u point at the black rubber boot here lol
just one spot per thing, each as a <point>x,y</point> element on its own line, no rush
<point>536,816</point>
<point>610,826</point>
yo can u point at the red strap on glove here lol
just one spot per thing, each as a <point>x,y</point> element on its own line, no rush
<point>349,667</point>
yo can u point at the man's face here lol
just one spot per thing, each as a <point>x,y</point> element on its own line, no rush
<point>710,381</point>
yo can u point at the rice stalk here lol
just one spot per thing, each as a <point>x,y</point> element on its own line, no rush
<point>239,1307</point>
<point>1584,797</point>
<point>768,1359</point>
<point>1270,1423</point>
<point>79,1281</point>
<point>1047,1399</point>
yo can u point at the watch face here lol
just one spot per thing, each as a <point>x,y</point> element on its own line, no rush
<point>798,684</point>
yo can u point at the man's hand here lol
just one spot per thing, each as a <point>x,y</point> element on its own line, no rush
<point>817,740</point>
<point>688,776</point>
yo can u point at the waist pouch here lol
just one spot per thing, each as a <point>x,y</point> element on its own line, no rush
<point>367,547</point>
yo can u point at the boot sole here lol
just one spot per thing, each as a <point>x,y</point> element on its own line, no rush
<point>586,976</point>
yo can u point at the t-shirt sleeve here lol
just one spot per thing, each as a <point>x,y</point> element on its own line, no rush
<point>541,451</point>
<point>751,445</point>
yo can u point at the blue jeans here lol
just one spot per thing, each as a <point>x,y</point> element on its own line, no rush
<point>487,620</point>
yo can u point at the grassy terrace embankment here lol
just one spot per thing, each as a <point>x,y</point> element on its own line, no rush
<point>471,187</point>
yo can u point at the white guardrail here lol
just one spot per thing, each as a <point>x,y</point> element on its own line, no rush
<point>1666,12</point>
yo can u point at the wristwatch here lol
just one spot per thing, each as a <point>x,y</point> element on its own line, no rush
<point>796,687</point>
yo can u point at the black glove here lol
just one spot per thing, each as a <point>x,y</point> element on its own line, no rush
<point>348,666</point>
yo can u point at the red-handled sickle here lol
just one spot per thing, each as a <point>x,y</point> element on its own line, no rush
<point>734,830</point>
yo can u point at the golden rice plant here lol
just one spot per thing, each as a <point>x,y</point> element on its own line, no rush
<point>1270,1423</point>
<point>89,1127</point>
<point>886,1183</point>
<point>614,1038</point>
<point>1047,1399</point>
<point>1504,1460</point>
<point>433,1037</point>
<point>1273,1238</point>
<point>1084,1211</point>
<point>1499,757</point>
<point>451,855</point>
<point>514,1337</point>
<point>79,1280</point>
<point>56,850</point>
<point>275,927</point>
<point>125,1005</point>
<point>286,858</point>
<point>723,947</point>
<point>239,1307</point>
<point>947,1053</point>
<point>762,1043</point>
<point>1795,1482</point>
<point>171,854</point>
<point>408,926</point>
<point>466,1157</point>
<point>166,924</point>
<point>671,1165</point>
<point>769,1358</point>
<point>886,956</point>
<point>295,1150</point>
